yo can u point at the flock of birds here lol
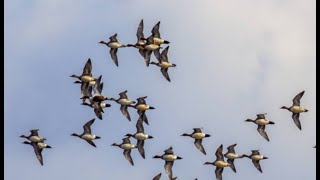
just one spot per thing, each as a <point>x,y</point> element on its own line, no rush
<point>91,95</point>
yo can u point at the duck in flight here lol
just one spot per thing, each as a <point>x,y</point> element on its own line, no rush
<point>37,150</point>
<point>142,107</point>
<point>198,135</point>
<point>256,158</point>
<point>219,163</point>
<point>114,45</point>
<point>261,121</point>
<point>141,40</point>
<point>163,63</point>
<point>34,136</point>
<point>127,147</point>
<point>296,109</point>
<point>125,102</point>
<point>87,134</point>
<point>140,136</point>
<point>169,157</point>
<point>231,155</point>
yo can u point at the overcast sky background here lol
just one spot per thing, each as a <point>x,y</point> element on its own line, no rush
<point>234,59</point>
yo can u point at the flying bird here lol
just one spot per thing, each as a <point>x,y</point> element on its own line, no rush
<point>261,121</point>
<point>169,157</point>
<point>163,63</point>
<point>87,134</point>
<point>198,135</point>
<point>142,107</point>
<point>231,156</point>
<point>296,109</point>
<point>37,150</point>
<point>141,40</point>
<point>127,147</point>
<point>140,136</point>
<point>256,158</point>
<point>125,102</point>
<point>114,45</point>
<point>219,163</point>
<point>34,136</point>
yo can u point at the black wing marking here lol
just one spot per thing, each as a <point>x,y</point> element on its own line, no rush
<point>257,165</point>
<point>87,126</point>
<point>168,168</point>
<point>165,73</point>
<point>296,120</point>
<point>155,30</point>
<point>297,98</point>
<point>114,57</point>
<point>198,144</point>
<point>140,145</point>
<point>261,130</point>
<point>124,110</point>
<point>127,155</point>
<point>87,69</point>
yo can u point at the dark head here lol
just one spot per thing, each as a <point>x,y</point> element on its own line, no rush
<point>207,135</point>
<point>48,146</point>
<point>208,163</point>
<point>130,45</point>
<point>154,63</point>
<point>185,134</point>
<point>102,42</point>
<point>265,158</point>
<point>285,107</point>
<point>306,110</point>
<point>26,142</point>
<point>150,137</point>
<point>77,82</point>
<point>98,137</point>
<point>156,157</point>
<point>114,144</point>
<point>129,135</point>
<point>249,120</point>
<point>152,107</point>
<point>244,155</point>
<point>174,65</point>
<point>133,102</point>
<point>23,136</point>
<point>75,134</point>
<point>112,99</point>
<point>178,157</point>
<point>74,76</point>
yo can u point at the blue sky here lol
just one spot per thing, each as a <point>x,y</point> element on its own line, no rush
<point>234,59</point>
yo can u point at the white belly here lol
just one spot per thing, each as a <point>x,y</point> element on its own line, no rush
<point>87,78</point>
<point>158,41</point>
<point>198,135</point>
<point>115,45</point>
<point>125,102</point>
<point>257,157</point>
<point>42,145</point>
<point>262,122</point>
<point>142,107</point>
<point>151,47</point>
<point>88,137</point>
<point>221,164</point>
<point>141,136</point>
<point>297,109</point>
<point>232,156</point>
<point>165,64</point>
<point>169,157</point>
<point>36,138</point>
<point>127,146</point>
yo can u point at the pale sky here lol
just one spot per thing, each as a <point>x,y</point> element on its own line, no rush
<point>234,59</point>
